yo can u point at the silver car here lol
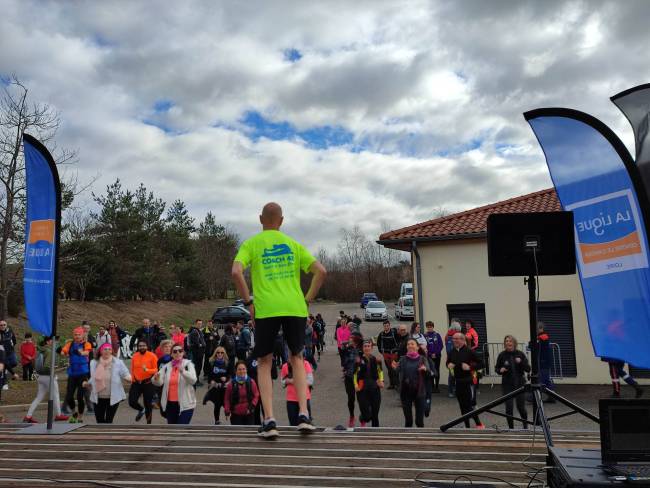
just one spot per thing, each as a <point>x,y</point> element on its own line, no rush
<point>376,310</point>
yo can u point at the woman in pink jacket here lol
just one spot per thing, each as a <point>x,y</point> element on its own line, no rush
<point>343,336</point>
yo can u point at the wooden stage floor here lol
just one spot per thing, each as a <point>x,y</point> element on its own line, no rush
<point>205,456</point>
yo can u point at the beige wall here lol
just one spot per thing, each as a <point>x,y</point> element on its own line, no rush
<point>456,272</point>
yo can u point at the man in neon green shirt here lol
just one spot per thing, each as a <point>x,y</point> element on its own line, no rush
<point>276,260</point>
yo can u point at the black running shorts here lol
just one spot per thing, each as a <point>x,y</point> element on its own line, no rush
<point>266,330</point>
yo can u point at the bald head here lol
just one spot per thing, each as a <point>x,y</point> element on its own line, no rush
<point>271,217</point>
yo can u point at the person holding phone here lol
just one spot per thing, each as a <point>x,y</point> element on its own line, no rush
<point>177,378</point>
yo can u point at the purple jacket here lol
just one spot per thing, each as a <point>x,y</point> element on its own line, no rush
<point>434,343</point>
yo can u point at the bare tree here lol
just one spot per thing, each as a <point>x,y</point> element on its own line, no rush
<point>17,116</point>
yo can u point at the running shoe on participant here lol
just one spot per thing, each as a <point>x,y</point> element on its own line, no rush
<point>268,430</point>
<point>29,420</point>
<point>304,424</point>
<point>61,418</point>
<point>139,415</point>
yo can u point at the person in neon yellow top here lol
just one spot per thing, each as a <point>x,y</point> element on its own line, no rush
<point>276,261</point>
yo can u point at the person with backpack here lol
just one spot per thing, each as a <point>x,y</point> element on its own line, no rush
<point>211,338</point>
<point>78,350</point>
<point>8,342</point>
<point>350,353</point>
<point>414,372</point>
<point>454,327</point>
<point>286,376</point>
<point>228,343</point>
<point>219,373</point>
<point>319,328</point>
<point>42,369</point>
<point>368,382</point>
<point>387,346</point>
<point>243,342</point>
<point>242,396</point>
<point>434,353</point>
<point>196,346</point>
<point>177,378</point>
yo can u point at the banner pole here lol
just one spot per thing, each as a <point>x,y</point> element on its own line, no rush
<point>50,401</point>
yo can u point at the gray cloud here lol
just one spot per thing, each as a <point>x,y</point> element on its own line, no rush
<point>433,92</point>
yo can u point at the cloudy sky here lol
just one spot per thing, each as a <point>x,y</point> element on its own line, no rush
<point>350,112</point>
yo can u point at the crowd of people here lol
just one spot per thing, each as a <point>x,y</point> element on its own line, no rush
<point>168,365</point>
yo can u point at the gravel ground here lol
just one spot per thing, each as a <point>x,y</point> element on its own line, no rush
<point>329,399</point>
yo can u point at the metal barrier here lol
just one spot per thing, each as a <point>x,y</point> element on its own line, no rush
<point>491,351</point>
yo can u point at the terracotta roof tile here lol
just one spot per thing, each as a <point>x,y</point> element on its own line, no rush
<point>474,221</point>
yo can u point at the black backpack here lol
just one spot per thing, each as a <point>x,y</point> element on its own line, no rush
<point>234,398</point>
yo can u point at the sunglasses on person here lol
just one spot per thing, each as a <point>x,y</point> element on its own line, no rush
<point>175,351</point>
<point>219,352</point>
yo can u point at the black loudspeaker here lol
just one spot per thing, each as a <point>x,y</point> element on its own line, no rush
<point>517,240</point>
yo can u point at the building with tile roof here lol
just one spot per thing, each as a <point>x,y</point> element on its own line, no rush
<point>450,269</point>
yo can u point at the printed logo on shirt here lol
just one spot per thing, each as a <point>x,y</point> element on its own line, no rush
<point>278,262</point>
<point>607,233</point>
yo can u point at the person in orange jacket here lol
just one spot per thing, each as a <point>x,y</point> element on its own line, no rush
<point>144,364</point>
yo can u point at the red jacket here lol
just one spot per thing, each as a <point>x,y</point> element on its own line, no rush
<point>27,352</point>
<point>242,407</point>
<point>471,332</point>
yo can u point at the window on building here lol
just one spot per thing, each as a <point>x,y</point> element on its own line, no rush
<point>558,322</point>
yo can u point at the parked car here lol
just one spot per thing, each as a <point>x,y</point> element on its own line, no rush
<point>406,289</point>
<point>231,314</point>
<point>240,302</point>
<point>367,297</point>
<point>376,310</point>
<point>404,308</point>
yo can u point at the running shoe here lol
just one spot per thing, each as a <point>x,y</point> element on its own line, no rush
<point>268,430</point>
<point>480,427</point>
<point>304,424</point>
<point>139,415</point>
<point>5,386</point>
<point>74,419</point>
<point>351,422</point>
<point>362,423</point>
<point>29,420</point>
<point>61,418</point>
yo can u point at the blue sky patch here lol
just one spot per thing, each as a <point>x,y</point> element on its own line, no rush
<point>162,105</point>
<point>321,137</point>
<point>292,55</point>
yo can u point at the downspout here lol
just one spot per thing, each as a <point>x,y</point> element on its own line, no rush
<point>418,280</point>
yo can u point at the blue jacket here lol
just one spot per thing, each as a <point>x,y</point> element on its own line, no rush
<point>79,365</point>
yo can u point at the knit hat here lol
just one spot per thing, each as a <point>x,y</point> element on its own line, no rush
<point>106,345</point>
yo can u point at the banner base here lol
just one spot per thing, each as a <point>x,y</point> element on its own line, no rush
<point>57,429</point>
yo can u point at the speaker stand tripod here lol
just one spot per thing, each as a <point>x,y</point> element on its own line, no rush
<point>533,387</point>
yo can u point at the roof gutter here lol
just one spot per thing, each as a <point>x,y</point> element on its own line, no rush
<point>455,237</point>
<point>418,280</point>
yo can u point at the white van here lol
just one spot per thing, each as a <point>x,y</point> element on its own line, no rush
<point>404,308</point>
<point>406,289</point>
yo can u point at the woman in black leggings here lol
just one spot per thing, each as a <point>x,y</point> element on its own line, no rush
<point>414,377</point>
<point>368,382</point>
<point>349,359</point>
<point>219,374</point>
